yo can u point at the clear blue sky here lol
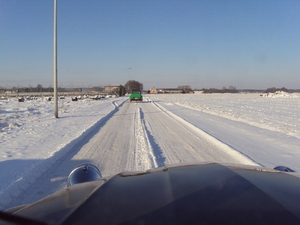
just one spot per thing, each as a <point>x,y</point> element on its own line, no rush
<point>202,43</point>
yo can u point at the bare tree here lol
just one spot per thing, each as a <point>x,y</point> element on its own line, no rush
<point>39,88</point>
<point>185,88</point>
<point>133,85</point>
<point>232,87</point>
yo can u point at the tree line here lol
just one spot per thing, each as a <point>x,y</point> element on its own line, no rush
<point>136,85</point>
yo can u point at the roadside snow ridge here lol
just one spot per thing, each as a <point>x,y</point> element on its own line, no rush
<point>243,159</point>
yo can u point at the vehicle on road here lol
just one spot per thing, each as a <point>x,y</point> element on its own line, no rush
<point>199,193</point>
<point>136,96</point>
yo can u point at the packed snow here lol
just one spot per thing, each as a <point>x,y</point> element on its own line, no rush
<point>38,151</point>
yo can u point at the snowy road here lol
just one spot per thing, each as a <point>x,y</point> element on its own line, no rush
<point>134,136</point>
<point>141,136</point>
<point>38,151</point>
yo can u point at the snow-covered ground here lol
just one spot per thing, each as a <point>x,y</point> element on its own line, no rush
<point>38,151</point>
<point>273,111</point>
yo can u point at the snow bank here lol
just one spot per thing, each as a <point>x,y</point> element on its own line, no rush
<point>275,114</point>
<point>280,94</point>
<point>32,139</point>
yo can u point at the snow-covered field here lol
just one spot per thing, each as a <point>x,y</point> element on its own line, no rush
<point>38,151</point>
<point>273,111</point>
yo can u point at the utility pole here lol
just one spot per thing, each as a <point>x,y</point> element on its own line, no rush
<point>55,61</point>
<point>123,75</point>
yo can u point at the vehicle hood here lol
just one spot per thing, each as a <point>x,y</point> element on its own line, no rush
<point>204,193</point>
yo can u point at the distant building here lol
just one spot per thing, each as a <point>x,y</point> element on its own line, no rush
<point>169,91</point>
<point>9,91</point>
<point>166,91</point>
<point>75,90</point>
<point>92,90</point>
<point>109,89</point>
<point>153,91</point>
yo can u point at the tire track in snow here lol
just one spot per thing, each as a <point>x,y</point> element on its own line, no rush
<point>144,156</point>
<point>156,150</point>
<point>217,144</point>
<point>174,142</point>
<point>143,153</point>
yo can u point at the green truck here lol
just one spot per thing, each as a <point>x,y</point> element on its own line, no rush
<point>136,95</point>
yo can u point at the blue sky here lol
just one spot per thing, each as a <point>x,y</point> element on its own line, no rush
<point>202,43</point>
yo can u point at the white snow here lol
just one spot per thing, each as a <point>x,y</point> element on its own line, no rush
<point>38,151</point>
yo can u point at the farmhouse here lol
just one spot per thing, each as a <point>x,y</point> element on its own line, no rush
<point>8,91</point>
<point>166,91</point>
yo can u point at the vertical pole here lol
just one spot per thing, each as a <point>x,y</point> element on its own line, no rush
<point>123,75</point>
<point>55,61</point>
